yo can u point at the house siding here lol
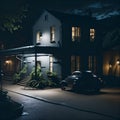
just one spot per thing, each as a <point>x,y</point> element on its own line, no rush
<point>110,66</point>
<point>43,26</point>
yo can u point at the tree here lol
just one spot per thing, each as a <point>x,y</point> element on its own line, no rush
<point>112,38</point>
<point>12,13</point>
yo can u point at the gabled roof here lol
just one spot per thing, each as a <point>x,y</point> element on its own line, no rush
<point>71,18</point>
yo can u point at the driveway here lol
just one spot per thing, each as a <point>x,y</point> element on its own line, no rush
<point>106,103</point>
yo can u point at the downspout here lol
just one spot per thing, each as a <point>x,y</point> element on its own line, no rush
<point>21,61</point>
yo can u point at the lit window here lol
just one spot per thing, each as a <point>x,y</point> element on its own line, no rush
<point>76,34</point>
<point>92,35</point>
<point>51,63</point>
<point>52,34</point>
<point>38,37</point>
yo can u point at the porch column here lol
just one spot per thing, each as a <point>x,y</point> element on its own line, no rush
<point>35,63</point>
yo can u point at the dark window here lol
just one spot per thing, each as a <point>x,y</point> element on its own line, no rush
<point>75,63</point>
<point>92,63</point>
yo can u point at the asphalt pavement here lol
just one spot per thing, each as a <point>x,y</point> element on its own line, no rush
<point>106,103</point>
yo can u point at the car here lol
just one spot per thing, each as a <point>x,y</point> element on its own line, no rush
<point>83,81</point>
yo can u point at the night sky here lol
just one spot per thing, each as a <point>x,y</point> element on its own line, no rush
<point>100,9</point>
<point>97,6</point>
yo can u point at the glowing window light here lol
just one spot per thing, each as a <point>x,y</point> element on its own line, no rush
<point>76,34</point>
<point>51,63</point>
<point>52,34</point>
<point>92,34</point>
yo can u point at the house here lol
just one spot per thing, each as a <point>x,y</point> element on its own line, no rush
<point>62,43</point>
<point>111,49</point>
<point>73,36</point>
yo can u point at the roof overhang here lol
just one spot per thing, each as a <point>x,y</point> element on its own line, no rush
<point>30,50</point>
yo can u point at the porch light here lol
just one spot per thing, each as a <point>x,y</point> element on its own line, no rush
<point>8,61</point>
<point>110,66</point>
<point>118,62</point>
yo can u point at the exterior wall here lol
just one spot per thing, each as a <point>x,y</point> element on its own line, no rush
<point>10,65</point>
<point>86,62</point>
<point>43,26</point>
<point>63,36</point>
<point>57,66</point>
<point>110,66</point>
<point>44,60</point>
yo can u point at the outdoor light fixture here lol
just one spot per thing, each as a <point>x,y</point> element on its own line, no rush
<point>8,61</point>
<point>118,61</point>
<point>110,66</point>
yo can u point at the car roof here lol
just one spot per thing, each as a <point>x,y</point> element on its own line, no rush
<point>76,72</point>
<point>83,72</point>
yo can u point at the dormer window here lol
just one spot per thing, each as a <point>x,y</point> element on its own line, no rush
<point>52,34</point>
<point>92,35</point>
<point>38,37</point>
<point>76,34</point>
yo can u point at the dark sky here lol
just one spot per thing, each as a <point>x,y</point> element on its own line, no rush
<point>98,7</point>
<point>72,4</point>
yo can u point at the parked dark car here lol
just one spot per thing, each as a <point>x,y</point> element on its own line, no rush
<point>82,80</point>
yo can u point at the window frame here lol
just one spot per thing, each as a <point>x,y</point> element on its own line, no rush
<point>52,34</point>
<point>76,33</point>
<point>51,63</point>
<point>92,62</point>
<point>92,34</point>
<point>38,37</point>
<point>75,63</point>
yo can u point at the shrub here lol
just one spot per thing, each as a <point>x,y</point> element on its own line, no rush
<point>3,95</point>
<point>39,82</point>
<point>16,78</point>
<point>19,76</point>
<point>53,77</point>
<point>38,75</point>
